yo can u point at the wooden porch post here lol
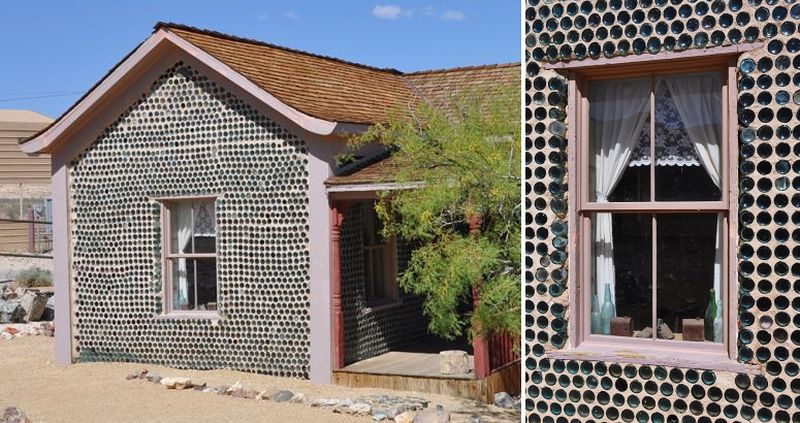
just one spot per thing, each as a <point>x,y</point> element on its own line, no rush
<point>337,216</point>
<point>480,345</point>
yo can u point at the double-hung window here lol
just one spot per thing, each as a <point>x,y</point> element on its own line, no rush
<point>380,260</point>
<point>652,216</point>
<point>190,256</point>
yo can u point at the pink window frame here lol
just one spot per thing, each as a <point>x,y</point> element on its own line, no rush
<point>647,350</point>
<point>167,256</point>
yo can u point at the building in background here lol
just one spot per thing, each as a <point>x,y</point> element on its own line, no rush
<point>24,181</point>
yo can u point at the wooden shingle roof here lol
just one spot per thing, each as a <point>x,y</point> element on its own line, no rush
<point>316,92</point>
<point>333,89</point>
<point>323,87</point>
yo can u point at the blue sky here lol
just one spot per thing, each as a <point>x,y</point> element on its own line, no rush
<point>52,52</point>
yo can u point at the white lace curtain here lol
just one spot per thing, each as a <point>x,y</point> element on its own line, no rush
<point>698,99</point>
<point>619,110</point>
<point>182,228</point>
<point>618,113</point>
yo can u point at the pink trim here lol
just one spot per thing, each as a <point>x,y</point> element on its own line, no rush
<point>574,327</point>
<point>55,134</point>
<point>662,356</point>
<point>650,58</point>
<point>62,255</point>
<point>731,333</point>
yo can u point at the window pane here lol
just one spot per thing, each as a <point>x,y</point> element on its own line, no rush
<point>194,284</point>
<point>206,269</point>
<point>182,284</point>
<point>180,227</point>
<point>618,113</point>
<point>688,137</point>
<point>689,268</point>
<point>622,267</point>
<point>205,227</point>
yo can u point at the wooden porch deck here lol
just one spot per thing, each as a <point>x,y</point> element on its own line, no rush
<point>419,372</point>
<point>406,364</point>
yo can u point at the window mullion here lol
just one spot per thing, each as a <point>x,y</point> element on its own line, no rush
<point>653,278</point>
<point>653,139</point>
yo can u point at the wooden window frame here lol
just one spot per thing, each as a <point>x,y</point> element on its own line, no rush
<point>648,351</point>
<point>391,286</point>
<point>167,257</point>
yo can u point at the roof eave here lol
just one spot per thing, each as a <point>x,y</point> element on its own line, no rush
<point>51,137</point>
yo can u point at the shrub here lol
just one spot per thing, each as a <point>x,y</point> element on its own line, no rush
<point>34,277</point>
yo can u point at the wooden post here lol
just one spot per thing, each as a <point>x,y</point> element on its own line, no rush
<point>337,216</point>
<point>31,231</point>
<point>480,345</point>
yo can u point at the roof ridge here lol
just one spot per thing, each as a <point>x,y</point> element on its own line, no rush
<point>231,37</point>
<point>463,68</point>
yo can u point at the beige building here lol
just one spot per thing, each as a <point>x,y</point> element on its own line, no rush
<point>24,179</point>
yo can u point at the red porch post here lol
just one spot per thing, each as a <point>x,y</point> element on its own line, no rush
<point>480,345</point>
<point>337,216</point>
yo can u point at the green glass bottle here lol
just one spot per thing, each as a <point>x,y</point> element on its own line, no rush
<point>711,315</point>
<point>597,321</point>
<point>607,311</point>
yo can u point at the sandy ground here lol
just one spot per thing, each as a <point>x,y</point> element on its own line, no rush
<point>98,392</point>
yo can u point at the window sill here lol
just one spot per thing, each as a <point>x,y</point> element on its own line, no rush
<point>183,315</point>
<point>663,356</point>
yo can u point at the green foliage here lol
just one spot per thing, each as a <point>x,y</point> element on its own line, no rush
<point>464,162</point>
<point>34,277</point>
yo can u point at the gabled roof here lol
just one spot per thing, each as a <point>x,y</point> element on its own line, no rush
<point>318,93</point>
<point>319,86</point>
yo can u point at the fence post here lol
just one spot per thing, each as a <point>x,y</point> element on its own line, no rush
<point>31,231</point>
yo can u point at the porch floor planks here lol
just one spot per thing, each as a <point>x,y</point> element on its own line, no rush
<point>406,364</point>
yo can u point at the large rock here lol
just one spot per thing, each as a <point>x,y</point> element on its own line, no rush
<point>11,312</point>
<point>49,313</point>
<point>34,304</point>
<point>453,362</point>
<point>360,409</point>
<point>430,416</point>
<point>504,400</point>
<point>177,382</point>
<point>14,415</point>
<point>405,417</point>
<point>282,396</point>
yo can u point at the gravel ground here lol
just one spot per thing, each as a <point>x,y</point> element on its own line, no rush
<point>9,266</point>
<point>98,392</point>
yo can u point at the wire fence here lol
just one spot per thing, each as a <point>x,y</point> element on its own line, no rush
<point>30,235</point>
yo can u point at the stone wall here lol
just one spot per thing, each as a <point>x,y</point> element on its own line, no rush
<point>188,136</point>
<point>769,295</point>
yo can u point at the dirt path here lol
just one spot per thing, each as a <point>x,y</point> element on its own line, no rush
<point>98,392</point>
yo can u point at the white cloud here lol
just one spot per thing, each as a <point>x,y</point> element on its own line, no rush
<point>429,11</point>
<point>262,17</point>
<point>391,11</point>
<point>289,15</point>
<point>453,15</point>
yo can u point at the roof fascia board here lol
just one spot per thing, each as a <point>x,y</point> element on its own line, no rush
<point>48,140</point>
<point>370,187</point>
